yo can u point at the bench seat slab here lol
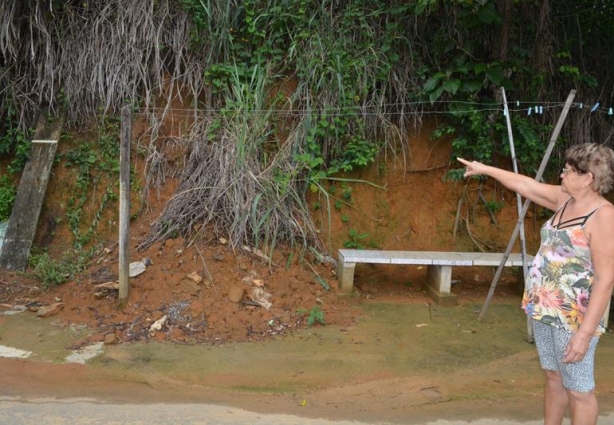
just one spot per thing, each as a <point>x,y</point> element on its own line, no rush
<point>439,266</point>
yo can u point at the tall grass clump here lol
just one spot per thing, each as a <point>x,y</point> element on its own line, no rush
<point>234,181</point>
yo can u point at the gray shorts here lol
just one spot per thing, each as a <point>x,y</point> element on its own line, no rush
<point>551,343</point>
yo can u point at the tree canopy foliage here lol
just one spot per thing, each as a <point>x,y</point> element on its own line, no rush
<point>297,91</point>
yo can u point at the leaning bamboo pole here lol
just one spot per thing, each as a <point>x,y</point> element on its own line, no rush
<point>523,243</point>
<point>525,207</point>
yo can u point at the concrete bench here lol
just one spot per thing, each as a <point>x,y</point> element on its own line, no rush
<point>438,266</point>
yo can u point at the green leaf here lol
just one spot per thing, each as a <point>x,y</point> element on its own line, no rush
<point>436,94</point>
<point>487,14</point>
<point>432,82</point>
<point>495,75</point>
<point>471,86</point>
<point>507,84</point>
<point>479,68</point>
<point>452,86</point>
<point>464,68</point>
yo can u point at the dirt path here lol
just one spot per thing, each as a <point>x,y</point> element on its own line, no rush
<point>401,363</point>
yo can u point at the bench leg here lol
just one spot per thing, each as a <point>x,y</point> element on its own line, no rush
<point>345,275</point>
<point>439,284</point>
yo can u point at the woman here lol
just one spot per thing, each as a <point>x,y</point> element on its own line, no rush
<point>570,281</point>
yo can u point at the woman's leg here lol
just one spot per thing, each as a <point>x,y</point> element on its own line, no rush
<point>556,399</point>
<point>578,380</point>
<point>584,408</point>
<point>570,384</point>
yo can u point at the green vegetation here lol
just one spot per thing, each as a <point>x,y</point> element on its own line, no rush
<point>14,141</point>
<point>355,239</point>
<point>14,144</point>
<point>96,165</point>
<point>94,157</point>
<point>52,272</point>
<point>316,315</point>
<point>292,93</point>
<point>493,206</point>
<point>8,191</point>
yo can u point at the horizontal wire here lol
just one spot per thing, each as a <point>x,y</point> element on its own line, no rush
<point>533,108</point>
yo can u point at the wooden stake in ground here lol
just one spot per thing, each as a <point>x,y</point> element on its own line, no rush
<point>124,205</point>
<point>525,207</point>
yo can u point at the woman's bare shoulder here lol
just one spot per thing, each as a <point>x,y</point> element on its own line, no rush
<point>606,211</point>
<point>603,220</point>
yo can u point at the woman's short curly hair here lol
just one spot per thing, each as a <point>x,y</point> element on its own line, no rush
<point>595,159</point>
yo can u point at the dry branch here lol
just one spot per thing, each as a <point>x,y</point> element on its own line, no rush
<point>93,56</point>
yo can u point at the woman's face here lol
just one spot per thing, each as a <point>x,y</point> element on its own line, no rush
<point>570,178</point>
<point>573,179</point>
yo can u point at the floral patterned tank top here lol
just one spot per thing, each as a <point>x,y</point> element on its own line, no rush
<point>560,278</point>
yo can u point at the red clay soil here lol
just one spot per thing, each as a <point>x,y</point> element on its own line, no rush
<point>412,207</point>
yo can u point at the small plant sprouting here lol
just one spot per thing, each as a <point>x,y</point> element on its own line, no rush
<point>455,175</point>
<point>355,238</point>
<point>346,193</point>
<point>316,315</point>
<point>493,206</point>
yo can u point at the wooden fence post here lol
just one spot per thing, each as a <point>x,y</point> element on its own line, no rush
<point>15,251</point>
<point>124,205</point>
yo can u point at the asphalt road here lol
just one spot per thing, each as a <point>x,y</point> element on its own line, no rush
<point>87,412</point>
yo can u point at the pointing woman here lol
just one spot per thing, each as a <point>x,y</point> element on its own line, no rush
<point>571,278</point>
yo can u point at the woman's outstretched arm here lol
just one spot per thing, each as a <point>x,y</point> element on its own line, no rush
<point>547,195</point>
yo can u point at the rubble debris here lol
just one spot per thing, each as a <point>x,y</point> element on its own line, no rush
<point>103,274</point>
<point>110,339</point>
<point>195,277</point>
<point>34,306</point>
<point>175,312</point>
<point>261,297</point>
<point>259,254</point>
<point>105,289</point>
<point>108,285</point>
<point>50,310</point>
<point>136,268</point>
<point>157,325</point>
<point>189,286</point>
<point>235,294</point>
